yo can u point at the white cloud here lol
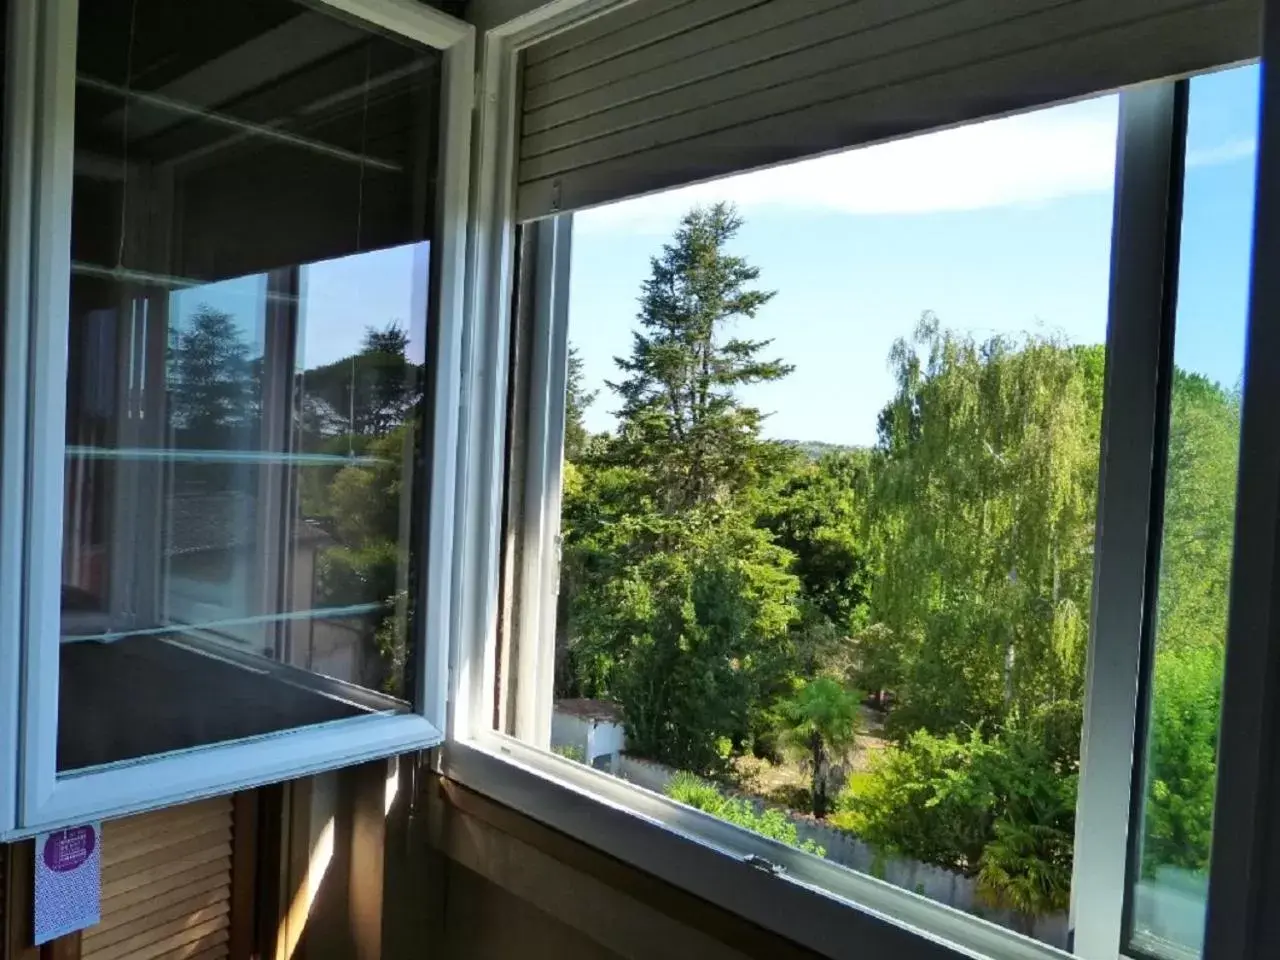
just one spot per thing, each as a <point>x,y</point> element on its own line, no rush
<point>1030,158</point>
<point>1026,159</point>
<point>1223,152</point>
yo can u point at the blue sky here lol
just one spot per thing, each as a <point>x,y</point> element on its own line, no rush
<point>340,299</point>
<point>1000,227</point>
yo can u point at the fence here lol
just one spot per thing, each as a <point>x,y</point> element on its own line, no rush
<point>937,883</point>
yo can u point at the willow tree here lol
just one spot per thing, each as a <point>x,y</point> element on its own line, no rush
<point>1195,571</point>
<point>982,519</point>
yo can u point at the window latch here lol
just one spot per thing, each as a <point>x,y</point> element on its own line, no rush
<point>760,863</point>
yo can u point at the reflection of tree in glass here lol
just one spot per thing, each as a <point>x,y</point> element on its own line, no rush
<point>366,394</point>
<point>213,381</point>
<point>362,406</point>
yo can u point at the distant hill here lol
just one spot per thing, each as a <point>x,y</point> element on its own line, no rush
<point>817,449</point>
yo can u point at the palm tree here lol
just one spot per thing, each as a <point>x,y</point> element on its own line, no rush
<point>821,720</point>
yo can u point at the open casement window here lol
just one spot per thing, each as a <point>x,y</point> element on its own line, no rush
<point>1063,801</point>
<point>245,251</point>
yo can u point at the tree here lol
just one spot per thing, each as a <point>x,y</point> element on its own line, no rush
<point>982,525</point>
<point>999,809</point>
<point>1199,512</point>
<point>576,401</point>
<point>681,420</point>
<point>388,379</point>
<point>818,515</point>
<point>681,605</point>
<point>821,719</point>
<point>213,384</point>
<point>1182,758</point>
<point>1195,570</point>
<point>366,394</point>
<point>685,622</point>
<point>363,502</point>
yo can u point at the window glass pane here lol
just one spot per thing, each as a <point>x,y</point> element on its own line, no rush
<point>829,499</point>
<point>1190,618</point>
<point>253,196</point>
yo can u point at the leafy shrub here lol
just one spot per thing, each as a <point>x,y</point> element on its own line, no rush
<point>695,792</point>
<point>997,809</point>
<point>687,629</point>
<point>1186,704</point>
<point>570,751</point>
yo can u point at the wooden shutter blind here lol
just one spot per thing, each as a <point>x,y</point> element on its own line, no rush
<point>661,93</point>
<point>166,885</point>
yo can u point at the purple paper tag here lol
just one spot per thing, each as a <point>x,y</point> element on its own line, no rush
<point>67,849</point>
<point>68,881</point>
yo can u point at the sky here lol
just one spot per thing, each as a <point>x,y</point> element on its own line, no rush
<point>999,227</point>
<point>339,300</point>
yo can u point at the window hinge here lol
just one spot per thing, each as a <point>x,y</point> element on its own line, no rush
<point>760,863</point>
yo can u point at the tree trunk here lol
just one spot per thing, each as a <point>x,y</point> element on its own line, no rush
<point>819,785</point>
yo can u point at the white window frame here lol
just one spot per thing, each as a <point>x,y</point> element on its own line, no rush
<point>19,139</point>
<point>39,166</point>
<point>832,910</point>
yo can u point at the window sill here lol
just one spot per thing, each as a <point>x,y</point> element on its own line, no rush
<point>809,901</point>
<point>132,787</point>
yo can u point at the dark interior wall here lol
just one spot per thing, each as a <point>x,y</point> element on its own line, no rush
<point>485,922</point>
<point>491,883</point>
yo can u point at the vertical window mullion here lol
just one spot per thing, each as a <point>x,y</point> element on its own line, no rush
<point>538,574</point>
<point>1242,920</point>
<point>19,107</point>
<point>47,377</point>
<point>1143,261</point>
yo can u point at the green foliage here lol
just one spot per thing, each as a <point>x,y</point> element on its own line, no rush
<point>688,631</point>
<point>880,658</point>
<point>1182,758</point>
<point>821,721</point>
<point>571,751</point>
<point>818,515</point>
<point>681,423</point>
<point>1186,702</point>
<point>213,384</point>
<point>365,498</point>
<point>366,394</point>
<point>998,809</point>
<point>982,525</point>
<point>770,822</point>
<point>577,399</point>
<point>680,605</point>
<point>358,507</point>
<point>729,592</point>
<point>1199,510</point>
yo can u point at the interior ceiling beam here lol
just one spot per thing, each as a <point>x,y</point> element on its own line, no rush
<point>182,110</point>
<point>294,44</point>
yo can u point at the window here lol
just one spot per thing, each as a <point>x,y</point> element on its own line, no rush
<point>239,212</point>
<point>1189,614</point>
<point>828,501</point>
<point>829,504</point>
<point>245,403</point>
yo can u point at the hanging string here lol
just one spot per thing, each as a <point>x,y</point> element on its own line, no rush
<point>364,138</point>
<point>124,135</point>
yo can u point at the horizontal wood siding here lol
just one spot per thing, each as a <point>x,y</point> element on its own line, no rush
<point>166,886</point>
<point>664,93</point>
